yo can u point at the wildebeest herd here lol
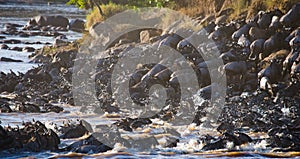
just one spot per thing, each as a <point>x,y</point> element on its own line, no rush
<point>261,62</point>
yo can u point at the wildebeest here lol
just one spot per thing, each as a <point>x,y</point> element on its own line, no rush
<point>292,17</point>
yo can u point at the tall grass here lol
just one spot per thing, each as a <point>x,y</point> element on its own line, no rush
<point>240,6</point>
<point>197,8</point>
<point>109,10</point>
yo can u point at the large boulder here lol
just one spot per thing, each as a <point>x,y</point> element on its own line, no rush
<point>77,25</point>
<point>57,20</point>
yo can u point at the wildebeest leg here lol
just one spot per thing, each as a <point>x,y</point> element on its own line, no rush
<point>286,76</point>
<point>266,85</point>
<point>242,81</point>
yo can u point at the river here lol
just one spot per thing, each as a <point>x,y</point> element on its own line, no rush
<point>20,14</point>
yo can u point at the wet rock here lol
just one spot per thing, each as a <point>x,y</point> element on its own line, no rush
<point>5,59</point>
<point>52,108</point>
<point>223,127</point>
<point>290,91</point>
<point>27,107</point>
<point>4,106</point>
<point>128,124</point>
<point>145,143</point>
<point>38,75</point>
<point>16,48</point>
<point>77,25</point>
<point>140,122</point>
<point>221,143</point>
<point>33,136</point>
<point>57,20</point>
<point>284,135</point>
<point>8,81</point>
<point>10,28</point>
<point>70,130</point>
<point>40,59</point>
<point>200,113</point>
<point>4,47</point>
<point>106,107</point>
<point>171,142</point>
<point>7,25</point>
<point>51,33</point>
<point>12,41</point>
<point>5,138</point>
<point>59,42</point>
<point>28,49</point>
<point>91,144</point>
<point>146,35</point>
<point>24,35</point>
<point>125,124</point>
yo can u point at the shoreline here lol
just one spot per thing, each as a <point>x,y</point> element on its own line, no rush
<point>16,10</point>
<point>31,2</point>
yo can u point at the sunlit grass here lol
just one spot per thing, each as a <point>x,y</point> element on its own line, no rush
<point>109,10</point>
<point>201,8</point>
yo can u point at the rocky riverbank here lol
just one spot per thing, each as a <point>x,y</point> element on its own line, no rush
<point>261,57</point>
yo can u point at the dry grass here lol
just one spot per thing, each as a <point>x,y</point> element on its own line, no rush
<point>192,11</point>
<point>202,8</point>
<point>109,10</point>
<point>196,8</point>
<point>255,7</point>
<point>283,5</point>
<point>52,50</point>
